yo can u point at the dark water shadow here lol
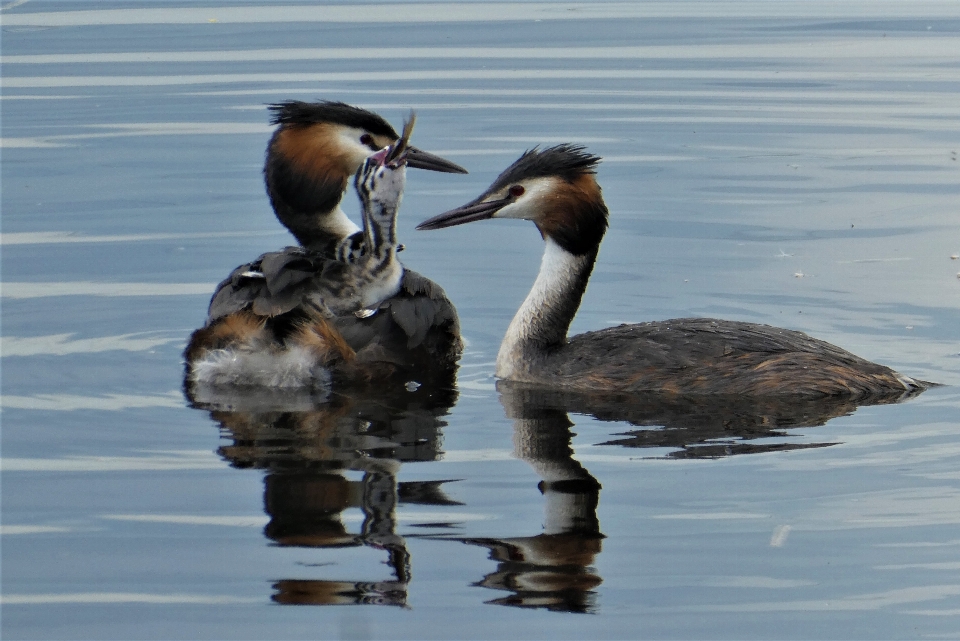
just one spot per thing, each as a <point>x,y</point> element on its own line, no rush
<point>306,446</point>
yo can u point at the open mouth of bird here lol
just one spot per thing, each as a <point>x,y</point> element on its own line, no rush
<point>395,155</point>
<point>389,157</point>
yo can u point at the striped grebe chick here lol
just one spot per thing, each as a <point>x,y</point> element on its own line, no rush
<point>264,345</point>
<point>556,188</point>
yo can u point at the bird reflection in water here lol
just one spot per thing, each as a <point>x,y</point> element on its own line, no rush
<point>554,569</point>
<point>307,446</point>
<point>699,426</point>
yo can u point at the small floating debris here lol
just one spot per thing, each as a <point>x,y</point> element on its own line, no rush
<point>779,536</point>
<point>798,275</point>
<point>412,386</point>
<point>954,256</point>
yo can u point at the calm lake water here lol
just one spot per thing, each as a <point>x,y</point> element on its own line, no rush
<point>791,163</point>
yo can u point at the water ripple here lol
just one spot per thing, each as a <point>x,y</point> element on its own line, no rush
<point>93,288</point>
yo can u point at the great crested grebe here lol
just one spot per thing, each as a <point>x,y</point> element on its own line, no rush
<point>310,159</point>
<point>266,346</point>
<point>556,188</point>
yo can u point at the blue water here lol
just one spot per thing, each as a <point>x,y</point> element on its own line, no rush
<point>789,163</point>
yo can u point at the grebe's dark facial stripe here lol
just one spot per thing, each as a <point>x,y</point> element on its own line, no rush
<point>297,112</point>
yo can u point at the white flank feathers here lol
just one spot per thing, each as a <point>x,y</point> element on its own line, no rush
<point>290,368</point>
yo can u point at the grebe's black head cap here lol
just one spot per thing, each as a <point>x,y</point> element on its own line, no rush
<point>565,161</point>
<point>574,214</point>
<point>299,113</point>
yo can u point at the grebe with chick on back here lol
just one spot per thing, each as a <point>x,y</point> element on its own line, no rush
<point>268,346</point>
<point>556,188</point>
<point>310,159</point>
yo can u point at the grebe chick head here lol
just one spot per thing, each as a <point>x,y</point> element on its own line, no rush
<point>315,150</point>
<point>381,178</point>
<point>556,188</point>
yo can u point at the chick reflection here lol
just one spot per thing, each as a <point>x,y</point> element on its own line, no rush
<point>307,447</point>
<point>551,570</point>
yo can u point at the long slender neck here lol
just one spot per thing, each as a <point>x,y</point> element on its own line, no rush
<point>306,193</point>
<point>542,322</point>
<point>320,231</point>
<point>335,224</point>
<point>380,227</point>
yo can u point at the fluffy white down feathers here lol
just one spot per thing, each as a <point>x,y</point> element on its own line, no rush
<point>288,368</point>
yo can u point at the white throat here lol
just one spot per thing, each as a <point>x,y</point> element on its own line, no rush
<point>541,319</point>
<point>337,224</point>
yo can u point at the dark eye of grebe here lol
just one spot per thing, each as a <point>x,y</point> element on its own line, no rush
<point>517,190</point>
<point>367,139</point>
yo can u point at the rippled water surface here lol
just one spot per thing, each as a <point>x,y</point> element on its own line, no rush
<point>791,163</point>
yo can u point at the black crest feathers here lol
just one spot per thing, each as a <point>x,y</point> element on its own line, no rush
<point>298,113</point>
<point>564,161</point>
